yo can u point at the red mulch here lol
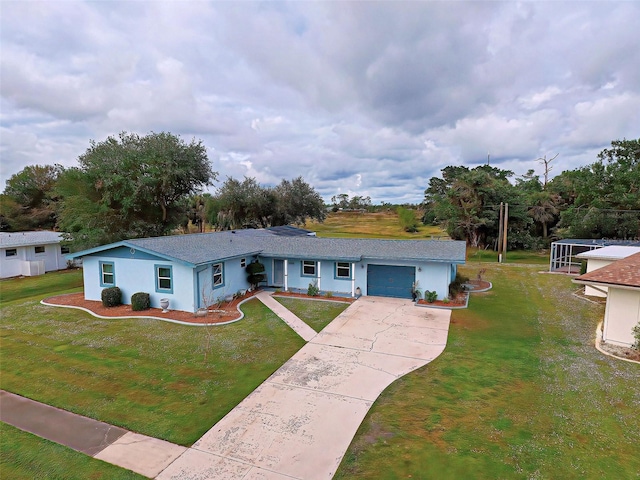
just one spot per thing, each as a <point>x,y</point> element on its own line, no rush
<point>229,313</point>
<point>459,301</point>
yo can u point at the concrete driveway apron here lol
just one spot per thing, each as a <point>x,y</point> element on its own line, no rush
<point>299,422</point>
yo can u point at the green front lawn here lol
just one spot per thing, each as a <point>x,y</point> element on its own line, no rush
<point>315,313</point>
<point>144,375</point>
<point>520,392</point>
<point>24,456</point>
<point>43,285</point>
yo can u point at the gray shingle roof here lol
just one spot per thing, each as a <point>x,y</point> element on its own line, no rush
<point>22,239</point>
<point>207,247</point>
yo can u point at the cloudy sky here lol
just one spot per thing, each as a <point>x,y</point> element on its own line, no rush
<point>366,98</point>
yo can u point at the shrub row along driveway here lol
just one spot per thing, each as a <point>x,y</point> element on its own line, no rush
<point>299,423</point>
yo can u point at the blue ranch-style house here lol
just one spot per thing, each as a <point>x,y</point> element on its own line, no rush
<point>193,271</point>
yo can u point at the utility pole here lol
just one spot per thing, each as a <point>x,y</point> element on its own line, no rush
<point>500,234</point>
<point>504,229</point>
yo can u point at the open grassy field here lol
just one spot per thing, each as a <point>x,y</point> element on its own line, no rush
<point>518,256</point>
<point>315,313</point>
<point>520,392</point>
<point>384,225</point>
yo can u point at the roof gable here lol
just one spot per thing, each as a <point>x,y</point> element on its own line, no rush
<point>625,272</point>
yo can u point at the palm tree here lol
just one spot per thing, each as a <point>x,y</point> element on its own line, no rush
<point>543,209</point>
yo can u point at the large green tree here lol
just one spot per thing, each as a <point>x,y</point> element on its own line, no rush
<point>466,203</point>
<point>29,199</point>
<point>131,186</point>
<point>248,204</point>
<point>602,199</point>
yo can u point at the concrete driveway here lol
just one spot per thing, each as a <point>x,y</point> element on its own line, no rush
<point>299,422</point>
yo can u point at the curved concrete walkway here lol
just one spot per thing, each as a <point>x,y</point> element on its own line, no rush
<point>299,422</point>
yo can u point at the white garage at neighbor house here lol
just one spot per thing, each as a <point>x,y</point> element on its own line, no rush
<point>622,312</point>
<point>191,270</point>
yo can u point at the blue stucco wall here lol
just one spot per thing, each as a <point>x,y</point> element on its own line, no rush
<point>434,276</point>
<point>136,272</point>
<point>138,275</point>
<point>235,279</point>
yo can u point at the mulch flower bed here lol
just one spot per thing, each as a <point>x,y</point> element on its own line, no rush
<point>318,297</point>
<point>225,313</point>
<point>459,301</point>
<point>622,352</point>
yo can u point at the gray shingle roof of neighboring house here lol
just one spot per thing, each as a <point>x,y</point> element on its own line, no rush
<point>25,239</point>
<point>207,247</point>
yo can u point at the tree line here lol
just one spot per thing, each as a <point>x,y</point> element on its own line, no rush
<point>601,200</point>
<point>132,186</point>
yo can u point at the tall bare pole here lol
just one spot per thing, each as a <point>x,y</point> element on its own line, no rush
<point>500,234</point>
<point>504,229</point>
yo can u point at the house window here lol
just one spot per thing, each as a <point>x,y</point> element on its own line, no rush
<point>39,249</point>
<point>343,270</point>
<point>107,274</point>
<point>243,262</point>
<point>308,268</point>
<point>164,278</point>
<point>11,252</point>
<point>218,275</point>
<point>64,250</point>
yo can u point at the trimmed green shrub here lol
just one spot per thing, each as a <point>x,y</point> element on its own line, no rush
<point>457,286</point>
<point>111,297</point>
<point>256,273</point>
<point>140,301</point>
<point>430,296</point>
<point>313,290</point>
<point>636,334</point>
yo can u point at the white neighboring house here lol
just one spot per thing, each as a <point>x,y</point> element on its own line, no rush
<point>31,253</point>
<point>602,257</point>
<point>622,313</point>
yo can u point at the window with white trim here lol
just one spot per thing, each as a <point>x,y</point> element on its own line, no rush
<point>243,262</point>
<point>164,278</point>
<point>218,275</point>
<point>308,268</point>
<point>11,252</point>
<point>343,270</point>
<point>38,249</point>
<point>64,249</point>
<point>107,274</point>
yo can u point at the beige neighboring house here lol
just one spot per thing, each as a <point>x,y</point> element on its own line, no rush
<point>622,313</point>
<point>602,257</point>
<point>31,253</point>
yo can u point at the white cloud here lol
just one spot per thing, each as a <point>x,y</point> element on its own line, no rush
<point>368,98</point>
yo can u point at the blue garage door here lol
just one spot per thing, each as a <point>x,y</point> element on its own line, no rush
<point>390,281</point>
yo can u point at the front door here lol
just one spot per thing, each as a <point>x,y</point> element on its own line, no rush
<point>278,273</point>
